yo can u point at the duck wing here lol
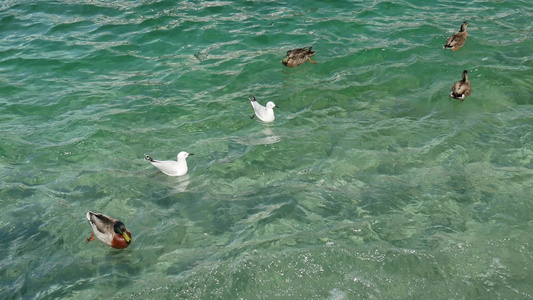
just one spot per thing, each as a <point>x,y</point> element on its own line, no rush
<point>302,53</point>
<point>457,39</point>
<point>102,222</point>
<point>461,88</point>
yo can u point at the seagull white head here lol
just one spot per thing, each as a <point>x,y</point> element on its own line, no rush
<point>183,155</point>
<point>271,104</point>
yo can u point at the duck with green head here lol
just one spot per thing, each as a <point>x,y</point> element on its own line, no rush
<point>109,230</point>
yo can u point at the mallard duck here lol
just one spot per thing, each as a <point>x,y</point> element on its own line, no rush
<point>457,40</point>
<point>170,167</point>
<point>265,114</point>
<point>298,56</point>
<point>461,88</point>
<point>109,230</point>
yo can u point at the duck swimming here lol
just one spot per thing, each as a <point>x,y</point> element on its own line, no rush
<point>298,56</point>
<point>109,230</point>
<point>457,40</point>
<point>461,88</point>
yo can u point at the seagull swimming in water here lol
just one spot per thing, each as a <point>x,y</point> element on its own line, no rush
<point>265,114</point>
<point>170,167</point>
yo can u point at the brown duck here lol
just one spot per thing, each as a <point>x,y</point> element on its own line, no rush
<point>457,40</point>
<point>461,88</point>
<point>298,56</point>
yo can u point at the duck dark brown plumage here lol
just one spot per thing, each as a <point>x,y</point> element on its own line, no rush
<point>298,56</point>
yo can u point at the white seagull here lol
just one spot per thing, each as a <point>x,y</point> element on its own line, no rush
<point>170,167</point>
<point>265,114</point>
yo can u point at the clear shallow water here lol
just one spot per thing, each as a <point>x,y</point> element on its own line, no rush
<point>371,183</point>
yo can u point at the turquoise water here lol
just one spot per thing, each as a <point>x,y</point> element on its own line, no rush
<point>371,184</point>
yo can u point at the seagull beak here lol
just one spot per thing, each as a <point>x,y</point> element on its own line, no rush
<point>276,106</point>
<point>191,154</point>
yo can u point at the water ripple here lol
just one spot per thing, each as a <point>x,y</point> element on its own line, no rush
<point>371,174</point>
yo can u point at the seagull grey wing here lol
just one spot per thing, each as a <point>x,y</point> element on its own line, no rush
<point>258,108</point>
<point>255,104</point>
